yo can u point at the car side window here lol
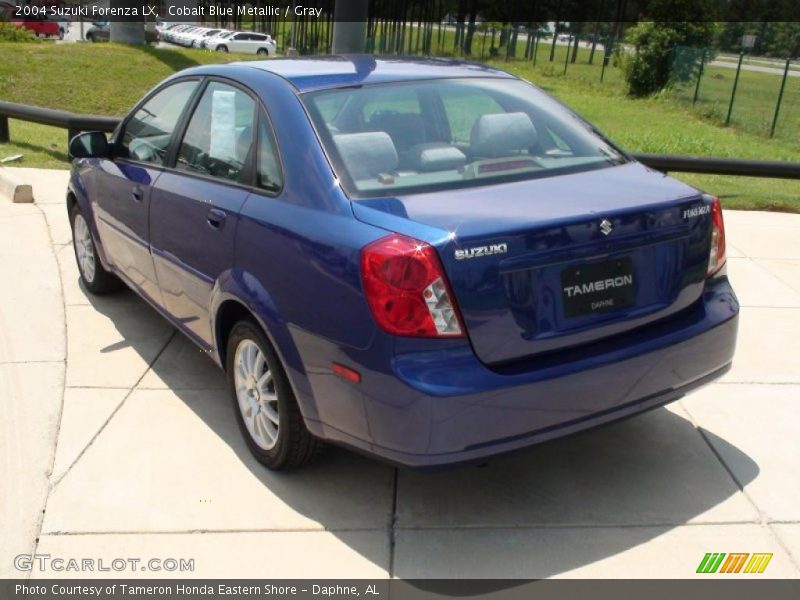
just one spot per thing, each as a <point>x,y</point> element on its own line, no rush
<point>219,136</point>
<point>148,132</point>
<point>268,173</point>
<point>241,36</point>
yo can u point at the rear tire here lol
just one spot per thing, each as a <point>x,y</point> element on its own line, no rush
<point>266,408</point>
<point>263,52</point>
<point>94,276</point>
<point>90,37</point>
<point>222,48</point>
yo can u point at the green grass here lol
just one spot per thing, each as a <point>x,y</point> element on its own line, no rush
<point>100,79</point>
<point>87,78</point>
<point>754,103</point>
<point>662,125</point>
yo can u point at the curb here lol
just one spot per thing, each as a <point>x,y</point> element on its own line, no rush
<point>13,190</point>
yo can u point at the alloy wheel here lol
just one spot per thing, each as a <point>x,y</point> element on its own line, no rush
<point>256,395</point>
<point>84,248</point>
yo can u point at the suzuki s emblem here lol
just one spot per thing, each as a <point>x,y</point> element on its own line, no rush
<point>606,226</point>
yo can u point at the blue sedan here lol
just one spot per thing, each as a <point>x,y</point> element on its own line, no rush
<point>428,261</point>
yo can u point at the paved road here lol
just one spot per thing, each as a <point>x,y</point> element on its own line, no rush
<point>754,68</point>
<point>121,430</point>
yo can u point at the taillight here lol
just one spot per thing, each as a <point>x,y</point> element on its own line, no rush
<point>716,257</point>
<point>407,289</point>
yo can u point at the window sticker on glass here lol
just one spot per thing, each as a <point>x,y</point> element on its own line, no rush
<point>223,125</point>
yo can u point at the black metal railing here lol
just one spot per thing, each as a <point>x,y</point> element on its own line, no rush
<point>74,124</point>
<point>720,166</point>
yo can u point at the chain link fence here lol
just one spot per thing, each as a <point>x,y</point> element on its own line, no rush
<point>754,94</point>
<point>589,57</point>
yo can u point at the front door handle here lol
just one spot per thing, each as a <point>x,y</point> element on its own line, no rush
<point>216,217</point>
<point>137,194</point>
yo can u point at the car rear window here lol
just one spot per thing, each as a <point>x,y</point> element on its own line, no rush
<point>388,139</point>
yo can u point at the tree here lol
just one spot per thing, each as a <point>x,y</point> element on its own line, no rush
<point>648,65</point>
<point>785,42</point>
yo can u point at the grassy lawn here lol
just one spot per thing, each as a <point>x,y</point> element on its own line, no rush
<point>754,103</point>
<point>87,78</point>
<point>662,125</point>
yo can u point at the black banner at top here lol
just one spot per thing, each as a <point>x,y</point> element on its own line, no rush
<point>530,13</point>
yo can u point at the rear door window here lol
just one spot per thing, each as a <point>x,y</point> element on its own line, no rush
<point>220,134</point>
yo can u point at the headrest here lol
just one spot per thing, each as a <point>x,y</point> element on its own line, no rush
<point>405,129</point>
<point>502,134</point>
<point>435,157</point>
<point>366,155</point>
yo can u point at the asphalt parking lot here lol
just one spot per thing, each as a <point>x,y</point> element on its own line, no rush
<point>119,440</point>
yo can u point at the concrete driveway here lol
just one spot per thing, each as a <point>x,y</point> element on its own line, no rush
<point>118,440</point>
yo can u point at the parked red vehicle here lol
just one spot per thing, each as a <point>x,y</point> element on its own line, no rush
<point>41,27</point>
<point>37,24</point>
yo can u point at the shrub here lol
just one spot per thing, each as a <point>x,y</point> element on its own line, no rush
<point>649,66</point>
<point>12,33</point>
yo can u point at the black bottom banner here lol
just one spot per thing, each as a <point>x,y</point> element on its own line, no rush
<point>385,589</point>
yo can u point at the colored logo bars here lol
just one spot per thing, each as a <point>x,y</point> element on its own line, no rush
<point>719,562</point>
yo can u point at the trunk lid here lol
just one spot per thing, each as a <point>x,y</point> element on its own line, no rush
<point>541,265</point>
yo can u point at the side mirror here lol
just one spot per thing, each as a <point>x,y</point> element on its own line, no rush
<point>92,144</point>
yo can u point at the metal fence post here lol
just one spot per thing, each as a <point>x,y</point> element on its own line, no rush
<point>5,136</point>
<point>606,56</point>
<point>699,77</point>
<point>733,91</point>
<point>780,98</point>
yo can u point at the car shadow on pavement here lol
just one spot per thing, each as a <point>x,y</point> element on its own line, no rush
<point>535,513</point>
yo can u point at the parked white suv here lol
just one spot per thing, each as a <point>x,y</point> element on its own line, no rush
<point>245,42</point>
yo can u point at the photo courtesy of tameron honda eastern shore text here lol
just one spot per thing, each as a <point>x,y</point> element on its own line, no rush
<point>428,261</point>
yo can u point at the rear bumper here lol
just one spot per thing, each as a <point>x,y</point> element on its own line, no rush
<point>443,406</point>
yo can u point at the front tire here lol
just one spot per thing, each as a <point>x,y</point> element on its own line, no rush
<point>263,52</point>
<point>90,37</point>
<point>222,48</point>
<point>93,275</point>
<point>266,409</point>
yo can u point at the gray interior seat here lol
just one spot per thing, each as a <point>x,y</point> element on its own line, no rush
<point>405,129</point>
<point>435,156</point>
<point>368,154</point>
<point>502,134</point>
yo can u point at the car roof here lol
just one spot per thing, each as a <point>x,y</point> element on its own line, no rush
<point>324,72</point>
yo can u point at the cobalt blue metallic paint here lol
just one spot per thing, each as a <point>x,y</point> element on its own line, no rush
<point>523,373</point>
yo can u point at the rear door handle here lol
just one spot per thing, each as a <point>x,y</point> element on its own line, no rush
<point>137,194</point>
<point>216,217</point>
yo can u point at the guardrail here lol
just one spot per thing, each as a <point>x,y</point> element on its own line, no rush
<point>720,166</point>
<point>74,124</point>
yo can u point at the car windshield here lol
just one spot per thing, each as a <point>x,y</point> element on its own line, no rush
<point>396,138</point>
